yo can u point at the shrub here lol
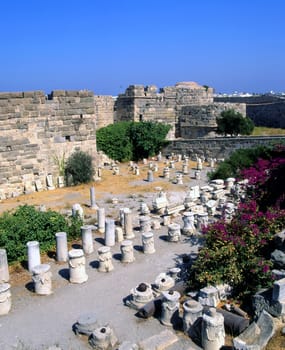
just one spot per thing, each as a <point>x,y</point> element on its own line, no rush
<point>79,166</point>
<point>234,123</point>
<point>125,141</point>
<point>27,223</point>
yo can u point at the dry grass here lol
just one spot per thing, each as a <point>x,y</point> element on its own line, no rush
<point>263,131</point>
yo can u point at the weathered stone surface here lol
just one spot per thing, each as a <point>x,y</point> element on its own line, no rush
<point>159,341</point>
<point>278,258</point>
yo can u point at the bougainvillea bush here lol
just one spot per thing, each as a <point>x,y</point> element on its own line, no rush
<point>238,253</point>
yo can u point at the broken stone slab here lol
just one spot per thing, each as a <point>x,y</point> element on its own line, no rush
<point>127,345</point>
<point>279,290</point>
<point>278,259</point>
<point>159,341</point>
<point>257,335</point>
<point>85,324</point>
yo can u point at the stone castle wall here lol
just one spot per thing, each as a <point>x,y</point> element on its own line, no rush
<point>200,121</point>
<point>218,147</point>
<point>36,130</point>
<point>104,110</point>
<point>187,106</point>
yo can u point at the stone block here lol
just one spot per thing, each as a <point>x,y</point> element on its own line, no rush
<point>279,290</point>
<point>159,341</point>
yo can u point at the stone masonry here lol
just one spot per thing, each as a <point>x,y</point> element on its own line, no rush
<point>37,131</point>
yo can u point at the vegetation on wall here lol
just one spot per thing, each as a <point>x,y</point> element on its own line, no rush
<point>79,166</point>
<point>27,223</point>
<point>234,123</point>
<point>125,141</point>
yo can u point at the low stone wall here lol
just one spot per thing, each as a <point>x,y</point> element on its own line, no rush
<point>218,147</point>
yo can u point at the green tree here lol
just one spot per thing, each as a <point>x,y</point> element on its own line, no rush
<point>234,123</point>
<point>79,166</point>
<point>125,141</point>
<point>147,138</point>
<point>114,141</point>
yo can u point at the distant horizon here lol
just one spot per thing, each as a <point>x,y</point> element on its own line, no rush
<point>105,46</point>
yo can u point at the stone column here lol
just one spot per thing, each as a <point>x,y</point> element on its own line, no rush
<point>202,221</point>
<point>92,198</point>
<point>192,310</point>
<point>188,220</point>
<point>127,251</point>
<point>145,223</point>
<point>50,185</point>
<point>179,179</point>
<point>170,308</point>
<point>166,220</point>
<point>166,173</point>
<point>42,279</point>
<point>150,176</point>
<point>199,164</point>
<point>148,243</point>
<point>105,259</point>
<point>61,246</point>
<point>128,223</point>
<point>109,232</point>
<point>174,232</point>
<point>103,338</point>
<point>34,258</point>
<point>184,168</point>
<point>213,331</point>
<point>119,234</point>
<point>101,220</point>
<point>5,298</point>
<point>4,267</point>
<point>198,175</point>
<point>77,262</point>
<point>87,239</point>
<point>77,210</point>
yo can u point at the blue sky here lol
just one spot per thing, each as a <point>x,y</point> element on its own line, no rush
<point>106,45</point>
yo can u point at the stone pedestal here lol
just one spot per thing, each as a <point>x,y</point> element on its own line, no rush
<point>179,179</point>
<point>105,259</point>
<point>202,221</point>
<point>148,243</point>
<point>61,247</point>
<point>163,282</point>
<point>175,272</point>
<point>192,310</point>
<point>5,298</point>
<point>213,331</point>
<point>87,239</point>
<point>103,338</point>
<point>188,220</point>
<point>128,223</point>
<point>101,220</point>
<point>170,308</point>
<point>197,175</point>
<point>109,232</point>
<point>92,198</point>
<point>77,262</point>
<point>4,268</point>
<point>34,258</point>
<point>144,209</point>
<point>127,251</point>
<point>140,295</point>
<point>60,181</point>
<point>199,165</point>
<point>50,185</point>
<point>174,232</point>
<point>209,296</point>
<point>42,279</point>
<point>145,224</point>
<point>150,176</point>
<point>166,220</point>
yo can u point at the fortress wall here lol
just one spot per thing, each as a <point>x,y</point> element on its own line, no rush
<point>35,129</point>
<point>200,121</point>
<point>104,110</point>
<point>218,147</point>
